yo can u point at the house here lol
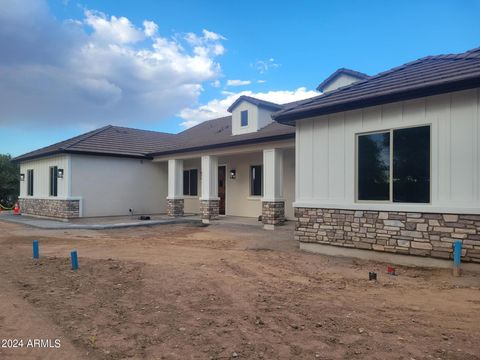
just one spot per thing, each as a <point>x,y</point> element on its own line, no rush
<point>392,162</point>
<point>389,163</point>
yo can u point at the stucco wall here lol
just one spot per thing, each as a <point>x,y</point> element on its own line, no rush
<point>326,153</point>
<point>342,80</point>
<point>111,185</point>
<point>41,177</point>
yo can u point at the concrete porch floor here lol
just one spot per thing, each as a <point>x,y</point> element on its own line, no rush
<point>112,222</point>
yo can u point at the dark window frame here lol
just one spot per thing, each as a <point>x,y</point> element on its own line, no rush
<point>254,187</point>
<point>392,165</point>
<point>53,177</point>
<point>30,179</point>
<point>190,182</point>
<point>244,120</point>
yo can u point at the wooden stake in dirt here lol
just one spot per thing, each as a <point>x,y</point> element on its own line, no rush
<point>457,257</point>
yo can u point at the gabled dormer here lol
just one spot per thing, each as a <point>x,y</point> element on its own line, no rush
<point>250,114</point>
<point>341,77</point>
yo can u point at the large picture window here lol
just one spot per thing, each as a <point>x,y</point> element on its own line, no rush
<point>256,182</point>
<point>190,182</point>
<point>394,166</point>
<point>30,182</point>
<point>53,181</point>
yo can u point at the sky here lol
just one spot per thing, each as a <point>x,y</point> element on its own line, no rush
<point>67,66</point>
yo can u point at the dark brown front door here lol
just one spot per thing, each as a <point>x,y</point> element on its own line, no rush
<point>221,189</point>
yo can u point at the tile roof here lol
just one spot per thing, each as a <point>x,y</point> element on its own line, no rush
<point>108,140</point>
<point>126,142</point>
<point>356,74</point>
<point>427,76</point>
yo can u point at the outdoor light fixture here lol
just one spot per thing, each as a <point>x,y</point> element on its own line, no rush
<point>22,177</point>
<point>233,174</point>
<point>60,173</point>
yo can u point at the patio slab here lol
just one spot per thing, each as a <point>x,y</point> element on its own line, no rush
<point>100,223</point>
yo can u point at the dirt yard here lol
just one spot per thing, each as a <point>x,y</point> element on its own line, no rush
<point>221,292</point>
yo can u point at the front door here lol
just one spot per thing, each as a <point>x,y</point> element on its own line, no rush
<point>222,189</point>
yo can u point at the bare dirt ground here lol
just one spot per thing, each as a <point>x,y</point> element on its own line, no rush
<point>221,292</point>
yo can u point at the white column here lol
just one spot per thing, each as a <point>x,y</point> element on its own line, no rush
<point>272,175</point>
<point>209,178</point>
<point>175,179</point>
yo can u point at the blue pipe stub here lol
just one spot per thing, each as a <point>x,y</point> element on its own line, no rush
<point>457,252</point>
<point>74,258</point>
<point>36,249</point>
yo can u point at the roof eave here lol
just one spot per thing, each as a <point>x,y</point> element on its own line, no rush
<point>79,152</point>
<point>224,145</point>
<point>289,118</point>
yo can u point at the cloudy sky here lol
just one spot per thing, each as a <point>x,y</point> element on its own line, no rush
<point>70,66</point>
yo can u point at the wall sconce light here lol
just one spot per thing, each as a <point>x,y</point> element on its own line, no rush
<point>233,174</point>
<point>22,177</point>
<point>60,173</point>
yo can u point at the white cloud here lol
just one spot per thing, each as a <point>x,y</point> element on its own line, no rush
<point>218,107</point>
<point>216,83</point>
<point>150,28</point>
<point>238,82</point>
<point>98,69</point>
<point>263,66</point>
<point>261,81</point>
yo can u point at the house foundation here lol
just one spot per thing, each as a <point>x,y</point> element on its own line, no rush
<point>175,207</point>
<point>411,233</point>
<point>65,209</point>
<point>209,210</point>
<point>273,214</point>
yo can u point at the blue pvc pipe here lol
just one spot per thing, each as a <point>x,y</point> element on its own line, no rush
<point>457,253</point>
<point>36,249</point>
<point>74,258</point>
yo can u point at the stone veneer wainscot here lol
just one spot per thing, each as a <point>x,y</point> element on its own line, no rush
<point>412,233</point>
<point>66,209</point>
<point>175,207</point>
<point>209,209</point>
<point>273,212</point>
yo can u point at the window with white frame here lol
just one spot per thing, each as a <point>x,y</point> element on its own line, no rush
<point>30,182</point>
<point>53,181</point>
<point>244,118</point>
<point>394,165</point>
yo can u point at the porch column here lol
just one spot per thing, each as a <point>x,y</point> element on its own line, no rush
<point>209,202</point>
<point>273,203</point>
<point>175,188</point>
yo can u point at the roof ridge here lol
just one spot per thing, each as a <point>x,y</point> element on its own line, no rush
<point>93,133</point>
<point>131,128</point>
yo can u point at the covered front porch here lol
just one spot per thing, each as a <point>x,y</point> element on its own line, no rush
<point>253,182</point>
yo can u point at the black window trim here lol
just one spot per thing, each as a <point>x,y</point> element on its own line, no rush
<point>30,182</point>
<point>250,182</point>
<point>190,187</point>
<point>53,181</point>
<point>390,131</point>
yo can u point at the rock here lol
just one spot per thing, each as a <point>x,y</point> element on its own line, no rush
<point>361,330</point>
<point>234,355</point>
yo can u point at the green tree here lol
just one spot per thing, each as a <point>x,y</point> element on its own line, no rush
<point>9,182</point>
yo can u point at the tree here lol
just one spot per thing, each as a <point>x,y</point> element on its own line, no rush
<point>9,181</point>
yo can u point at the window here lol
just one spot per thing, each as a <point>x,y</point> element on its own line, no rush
<point>256,180</point>
<point>190,182</point>
<point>244,118</point>
<point>394,166</point>
<point>53,181</point>
<point>30,182</point>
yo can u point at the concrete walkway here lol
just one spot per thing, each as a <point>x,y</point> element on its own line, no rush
<point>96,223</point>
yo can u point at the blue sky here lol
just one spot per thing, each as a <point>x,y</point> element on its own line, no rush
<point>71,66</point>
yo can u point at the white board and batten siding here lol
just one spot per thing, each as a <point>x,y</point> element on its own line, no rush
<point>41,177</point>
<point>326,153</point>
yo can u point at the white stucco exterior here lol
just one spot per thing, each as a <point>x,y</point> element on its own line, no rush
<point>339,81</point>
<point>326,153</point>
<point>258,118</point>
<point>112,185</point>
<point>41,177</point>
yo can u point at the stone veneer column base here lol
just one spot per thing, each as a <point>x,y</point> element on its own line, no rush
<point>273,213</point>
<point>175,207</point>
<point>209,210</point>
<point>65,209</point>
<point>421,234</point>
